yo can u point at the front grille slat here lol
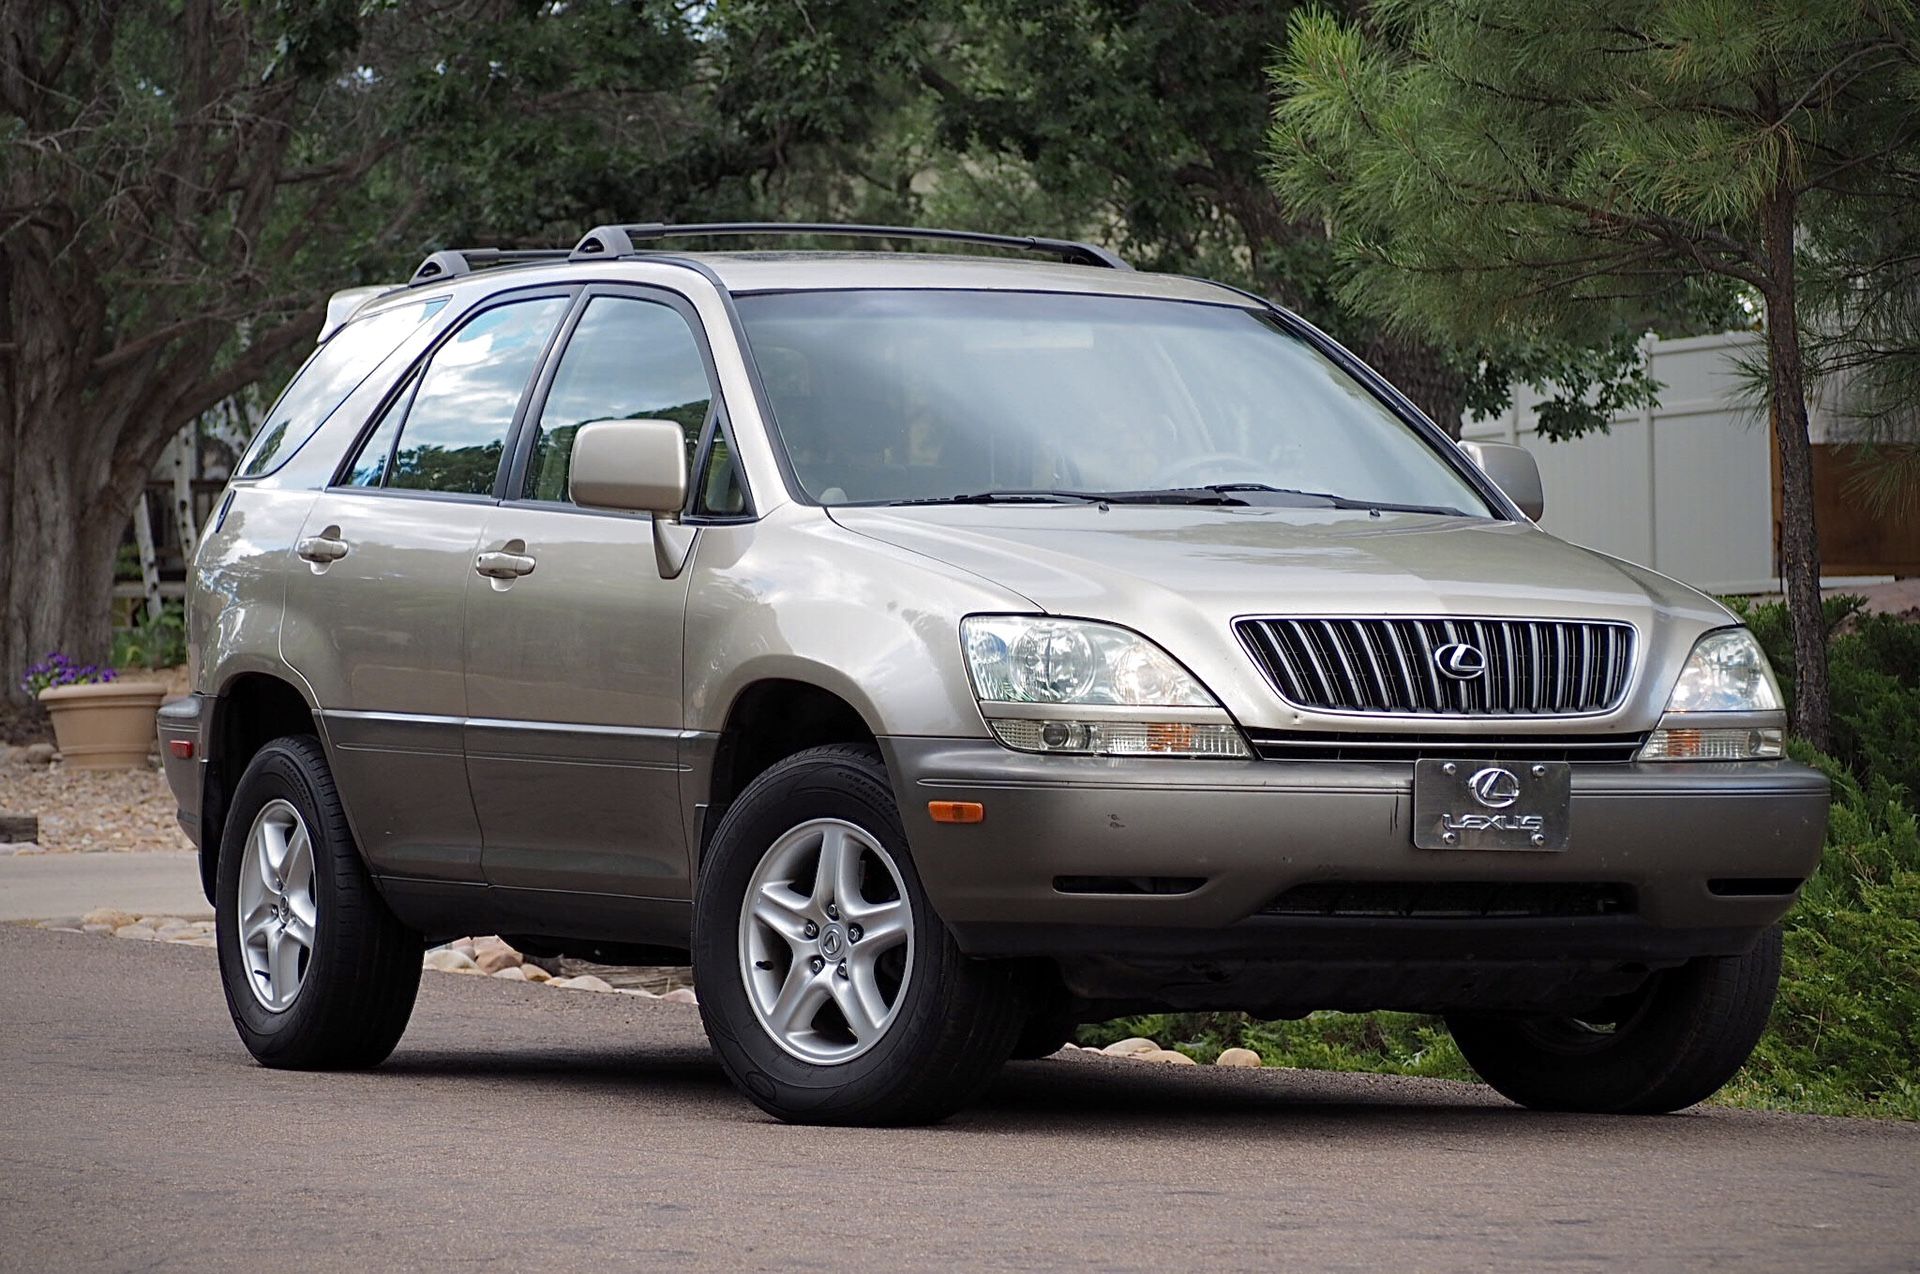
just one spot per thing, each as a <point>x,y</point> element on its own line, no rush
<point>1383,697</point>
<point>1303,643</point>
<point>1532,667</point>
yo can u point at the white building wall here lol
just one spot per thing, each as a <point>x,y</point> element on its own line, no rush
<point>1685,488</point>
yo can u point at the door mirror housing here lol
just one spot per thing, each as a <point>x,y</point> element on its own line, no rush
<point>637,466</point>
<point>1513,470</point>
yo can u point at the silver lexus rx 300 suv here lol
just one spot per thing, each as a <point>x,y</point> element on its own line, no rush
<point>940,651</point>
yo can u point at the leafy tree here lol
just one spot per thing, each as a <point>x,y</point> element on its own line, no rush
<point>1519,166</point>
<point>183,183</point>
<point>1138,123</point>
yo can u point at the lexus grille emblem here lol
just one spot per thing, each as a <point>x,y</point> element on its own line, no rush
<point>1494,787</point>
<point>1460,661</point>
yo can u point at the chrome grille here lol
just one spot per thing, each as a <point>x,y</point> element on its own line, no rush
<point>1532,667</point>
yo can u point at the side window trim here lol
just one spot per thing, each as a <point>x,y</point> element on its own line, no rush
<point>526,426</point>
<point>409,381</point>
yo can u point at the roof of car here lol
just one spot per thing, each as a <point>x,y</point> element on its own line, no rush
<point>747,272</point>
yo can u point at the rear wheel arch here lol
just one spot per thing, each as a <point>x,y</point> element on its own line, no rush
<point>251,710</point>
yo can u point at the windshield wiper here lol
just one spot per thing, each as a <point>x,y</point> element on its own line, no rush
<point>1217,494</point>
<point>1004,497</point>
<point>1184,495</point>
<point>1333,501</point>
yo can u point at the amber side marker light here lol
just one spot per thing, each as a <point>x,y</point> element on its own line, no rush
<point>956,811</point>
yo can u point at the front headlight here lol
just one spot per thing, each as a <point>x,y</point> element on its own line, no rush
<point>1726,672</point>
<point>1027,662</point>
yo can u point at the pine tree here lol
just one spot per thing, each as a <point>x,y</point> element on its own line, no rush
<point>1533,166</point>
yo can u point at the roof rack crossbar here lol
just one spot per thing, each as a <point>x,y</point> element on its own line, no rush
<point>623,240</point>
<point>451,262</point>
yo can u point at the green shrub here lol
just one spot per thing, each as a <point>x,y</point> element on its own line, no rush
<point>153,641</point>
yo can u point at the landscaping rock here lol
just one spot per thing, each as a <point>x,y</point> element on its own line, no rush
<point>111,917</point>
<point>534,973</point>
<point>493,955</point>
<point>142,932</point>
<point>450,960</point>
<point>1165,1055</point>
<point>511,973</point>
<point>1133,1047</point>
<point>1237,1057</point>
<point>681,995</point>
<point>585,982</point>
<point>38,754</point>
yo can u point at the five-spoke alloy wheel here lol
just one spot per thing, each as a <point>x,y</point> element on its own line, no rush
<point>319,974</point>
<point>830,988</point>
<point>826,941</point>
<point>278,911</point>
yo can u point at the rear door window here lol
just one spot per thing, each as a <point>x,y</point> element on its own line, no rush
<point>334,371</point>
<point>456,426</point>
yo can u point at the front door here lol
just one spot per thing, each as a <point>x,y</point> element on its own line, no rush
<point>375,607</point>
<point>573,639</point>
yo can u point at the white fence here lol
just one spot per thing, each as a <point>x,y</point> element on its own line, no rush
<point>1685,487</point>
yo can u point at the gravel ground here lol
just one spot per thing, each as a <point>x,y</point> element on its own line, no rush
<point>87,811</point>
<point>90,811</point>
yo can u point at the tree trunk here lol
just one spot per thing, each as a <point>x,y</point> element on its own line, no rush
<point>1799,537</point>
<point>57,550</point>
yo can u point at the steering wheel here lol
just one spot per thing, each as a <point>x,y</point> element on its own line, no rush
<point>1188,472</point>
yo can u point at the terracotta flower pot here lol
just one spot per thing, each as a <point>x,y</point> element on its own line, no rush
<point>109,726</point>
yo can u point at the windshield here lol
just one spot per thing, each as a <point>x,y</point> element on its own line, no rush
<point>883,396</point>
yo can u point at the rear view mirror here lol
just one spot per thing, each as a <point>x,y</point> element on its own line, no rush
<point>639,466</point>
<point>1513,470</point>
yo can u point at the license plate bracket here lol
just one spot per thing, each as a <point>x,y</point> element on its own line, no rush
<point>1468,804</point>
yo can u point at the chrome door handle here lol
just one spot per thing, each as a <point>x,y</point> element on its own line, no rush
<point>321,549</point>
<point>503,565</point>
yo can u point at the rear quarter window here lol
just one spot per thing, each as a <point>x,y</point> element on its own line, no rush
<point>333,372</point>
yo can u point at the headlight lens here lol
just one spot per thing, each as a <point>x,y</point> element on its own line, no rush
<point>1036,660</point>
<point>1727,672</point>
<point>1031,659</point>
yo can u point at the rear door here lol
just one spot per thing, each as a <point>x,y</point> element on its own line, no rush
<point>574,666</point>
<point>374,618</point>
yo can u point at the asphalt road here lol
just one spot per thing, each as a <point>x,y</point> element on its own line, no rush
<point>522,1127</point>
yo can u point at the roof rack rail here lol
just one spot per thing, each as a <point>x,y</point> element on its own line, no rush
<point>451,262</point>
<point>620,241</point>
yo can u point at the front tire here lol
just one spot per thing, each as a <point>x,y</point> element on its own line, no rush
<point>830,989</point>
<point>1671,1044</point>
<point>319,974</point>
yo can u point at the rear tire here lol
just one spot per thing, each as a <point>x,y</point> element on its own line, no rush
<point>909,1035</point>
<point>319,974</point>
<point>1676,1041</point>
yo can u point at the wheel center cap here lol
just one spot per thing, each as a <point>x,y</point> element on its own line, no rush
<point>831,940</point>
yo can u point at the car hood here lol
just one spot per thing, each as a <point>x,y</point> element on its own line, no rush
<point>1181,574</point>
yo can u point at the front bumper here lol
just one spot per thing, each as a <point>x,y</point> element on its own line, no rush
<point>1708,854</point>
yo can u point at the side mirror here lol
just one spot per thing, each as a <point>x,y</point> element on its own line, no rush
<point>1513,470</point>
<point>639,466</point>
